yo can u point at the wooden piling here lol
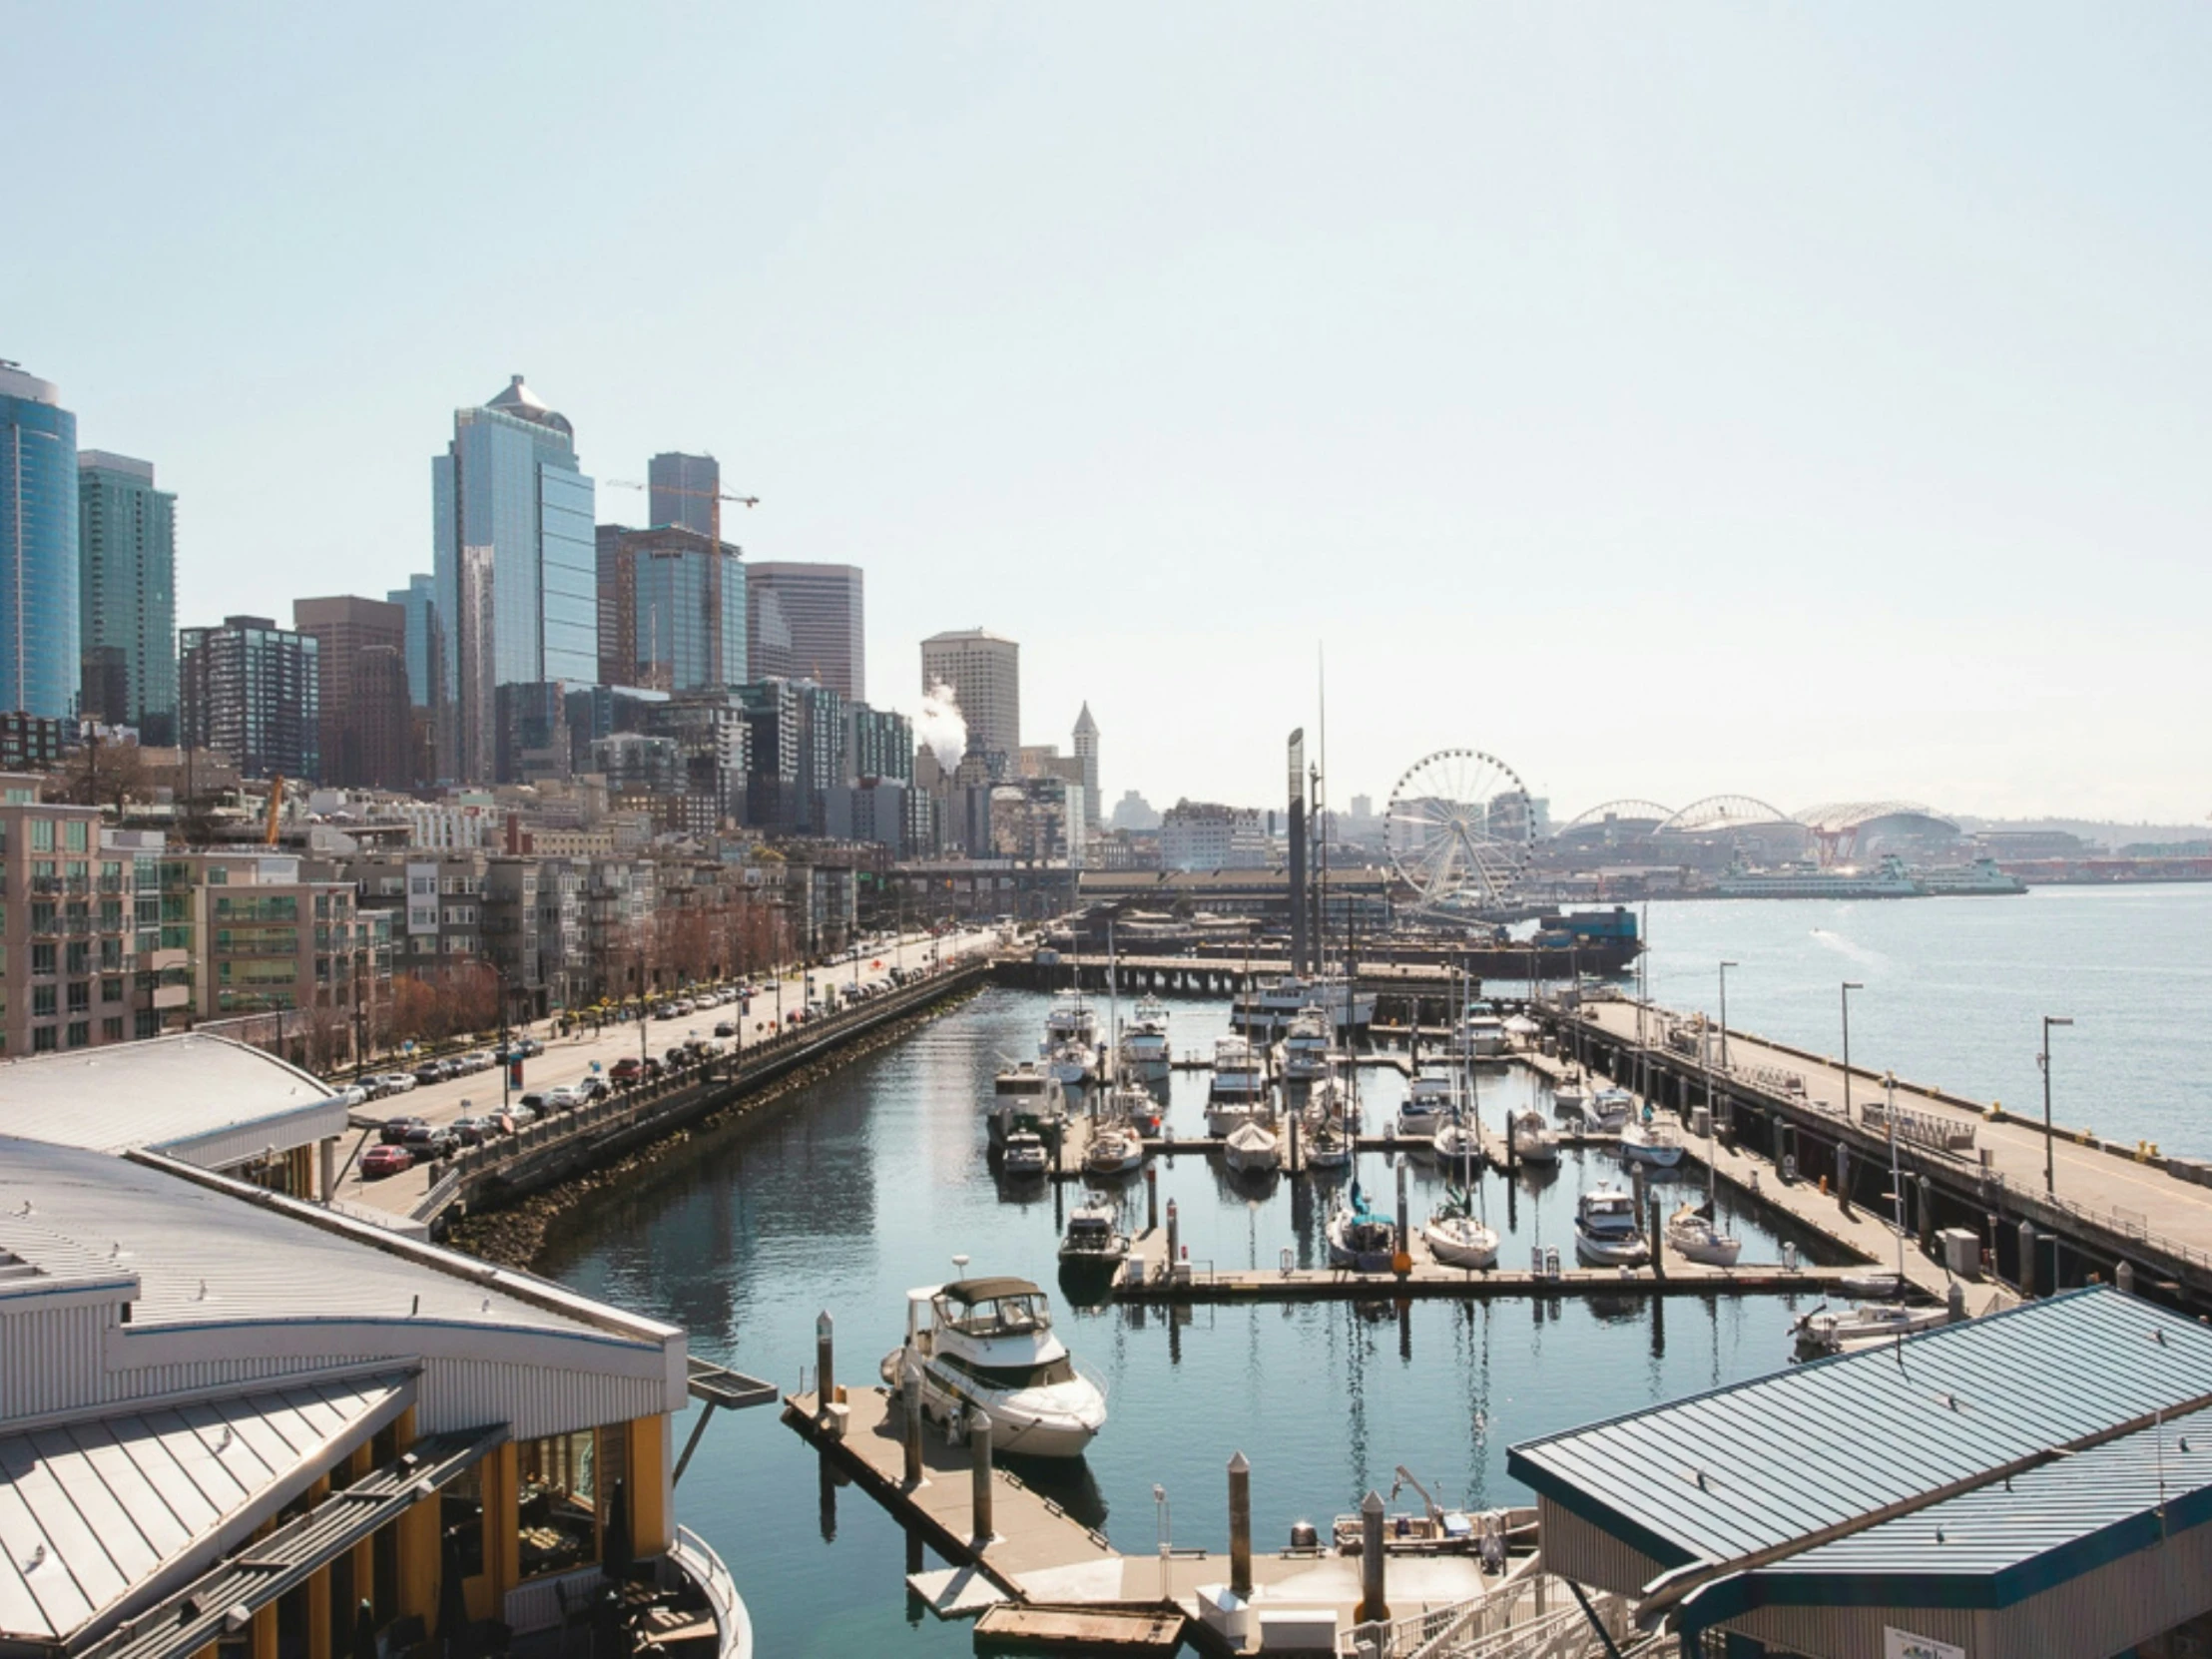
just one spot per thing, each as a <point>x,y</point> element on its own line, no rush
<point>980,1451</point>
<point>1240,1525</point>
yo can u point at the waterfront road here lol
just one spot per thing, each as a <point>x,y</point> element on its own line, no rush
<point>570,1059</point>
<point>2112,1187</point>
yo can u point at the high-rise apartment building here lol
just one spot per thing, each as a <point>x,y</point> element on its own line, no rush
<point>1086,754</point>
<point>127,595</point>
<point>672,610</point>
<point>984,672</point>
<point>250,691</point>
<point>516,565</point>
<point>40,653</point>
<point>686,491</point>
<point>362,687</point>
<point>825,608</point>
<point>879,745</point>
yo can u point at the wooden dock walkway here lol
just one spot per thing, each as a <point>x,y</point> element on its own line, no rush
<point>1075,1142</point>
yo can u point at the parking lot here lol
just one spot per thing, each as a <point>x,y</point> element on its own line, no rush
<point>567,1062</point>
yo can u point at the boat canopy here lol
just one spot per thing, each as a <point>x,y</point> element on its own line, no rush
<point>973,1291</point>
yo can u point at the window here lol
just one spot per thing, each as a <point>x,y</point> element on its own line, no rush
<point>42,1000</point>
<point>42,835</point>
<point>79,1033</point>
<point>42,958</point>
<point>556,1504</point>
<point>80,957</point>
<point>43,1039</point>
<point>111,990</point>
<point>75,835</point>
<point>110,1030</point>
<point>80,995</point>
<point>462,1518</point>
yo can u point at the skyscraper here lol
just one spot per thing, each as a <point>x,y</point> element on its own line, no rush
<point>126,594</point>
<point>516,567</point>
<point>672,610</point>
<point>40,652</point>
<point>364,725</point>
<point>250,691</point>
<point>421,598</point>
<point>1086,753</point>
<point>683,491</point>
<point>825,608</point>
<point>984,672</point>
<point>768,637</point>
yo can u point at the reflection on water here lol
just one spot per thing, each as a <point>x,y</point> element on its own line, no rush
<point>868,1184</point>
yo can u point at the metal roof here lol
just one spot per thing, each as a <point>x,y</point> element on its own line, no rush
<point>208,1100</point>
<point>96,1512</point>
<point>1763,1464</point>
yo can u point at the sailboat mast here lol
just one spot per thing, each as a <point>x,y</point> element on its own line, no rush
<point>1897,1180</point>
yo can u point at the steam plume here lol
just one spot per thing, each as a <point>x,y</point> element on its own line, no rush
<point>941,725</point>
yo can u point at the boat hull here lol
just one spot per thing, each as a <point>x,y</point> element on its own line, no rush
<point>1458,1249</point>
<point>1607,1252</point>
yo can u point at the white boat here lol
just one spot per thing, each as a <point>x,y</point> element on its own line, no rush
<point>1568,1096</point>
<point>1606,1229</point>
<point>1534,1141</point>
<point>1956,880</point>
<point>1326,1145</point>
<point>1025,1082</point>
<point>1026,1097</point>
<point>1329,1101</point>
<point>1070,1020</point>
<point>987,1345</point>
<point>1144,1050</point>
<point>1889,879</point>
<point>1358,1238</point>
<point>1456,1142</point>
<point>1070,1064</point>
<point>1457,1238</point>
<point>1863,1324</point>
<point>1693,1235</point>
<point>1428,1102</point>
<point>1133,1105</point>
<point>1608,1109</point>
<point>1480,1035</point>
<point>1151,1010</point>
<point>1871,1286</point>
<point>1025,1154</point>
<point>1115,1149</point>
<point>1276,1002</point>
<point>1304,1055</point>
<point>1652,1138</point>
<point>1238,1092</point>
<point>1250,1148</point>
<point>1092,1238</point>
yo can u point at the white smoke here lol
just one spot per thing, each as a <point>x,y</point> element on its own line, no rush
<point>941,726</point>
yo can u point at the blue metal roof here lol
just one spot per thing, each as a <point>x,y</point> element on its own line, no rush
<point>1759,1464</point>
<point>2000,1543</point>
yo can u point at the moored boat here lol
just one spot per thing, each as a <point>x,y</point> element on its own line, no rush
<point>1693,1235</point>
<point>1863,1325</point>
<point>1607,1230</point>
<point>1025,1154</point>
<point>1608,1109</point>
<point>1115,1149</point>
<point>1238,1091</point>
<point>1427,1104</point>
<point>1093,1240</point>
<point>1456,1237</point>
<point>1653,1138</point>
<point>1534,1141</point>
<point>1251,1148</point>
<point>987,1345</point>
<point>1358,1238</point>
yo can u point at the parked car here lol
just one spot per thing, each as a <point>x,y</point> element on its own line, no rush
<point>381,1161</point>
<point>472,1131</point>
<point>523,1115</point>
<point>535,1101</point>
<point>395,1130</point>
<point>725,1028</point>
<point>351,1094</point>
<point>428,1142</point>
<point>398,1082</point>
<point>527,1046</point>
<point>430,1071</point>
<point>595,1087</point>
<point>626,1072</point>
<point>565,1098</point>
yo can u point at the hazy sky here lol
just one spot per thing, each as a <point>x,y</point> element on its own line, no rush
<point>1807,401</point>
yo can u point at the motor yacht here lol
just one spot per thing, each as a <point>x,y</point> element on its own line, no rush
<point>1093,1239</point>
<point>1863,1324</point>
<point>1607,1230</point>
<point>1238,1092</point>
<point>1608,1109</point>
<point>1144,1051</point>
<point>1428,1103</point>
<point>1480,1035</point>
<point>1025,1154</point>
<point>987,1345</point>
<point>1070,1019</point>
<point>1303,1055</point>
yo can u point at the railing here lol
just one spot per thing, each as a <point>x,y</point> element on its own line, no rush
<point>1937,1134</point>
<point>1554,1626</point>
<point>691,1556</point>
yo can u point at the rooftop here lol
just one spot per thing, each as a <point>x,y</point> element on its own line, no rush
<point>523,403</point>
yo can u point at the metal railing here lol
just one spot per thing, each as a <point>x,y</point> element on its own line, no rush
<point>1533,1618</point>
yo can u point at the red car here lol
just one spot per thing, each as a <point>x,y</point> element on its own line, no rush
<point>381,1161</point>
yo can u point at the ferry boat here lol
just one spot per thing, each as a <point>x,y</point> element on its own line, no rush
<point>1606,1230</point>
<point>1304,1054</point>
<point>1272,1006</point>
<point>988,1345</point>
<point>1889,879</point>
<point>1960,881</point>
<point>1239,1090</point>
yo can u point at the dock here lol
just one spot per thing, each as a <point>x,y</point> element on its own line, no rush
<point>1075,1140</point>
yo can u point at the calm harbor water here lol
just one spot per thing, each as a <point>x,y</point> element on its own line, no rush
<point>874,1179</point>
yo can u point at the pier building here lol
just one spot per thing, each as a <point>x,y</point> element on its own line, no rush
<point>238,1422</point>
<point>2037,1482</point>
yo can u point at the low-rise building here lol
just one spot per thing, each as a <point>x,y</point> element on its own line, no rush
<point>1203,835</point>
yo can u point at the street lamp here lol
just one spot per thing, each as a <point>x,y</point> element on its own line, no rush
<point>2050,1154</point>
<point>1725,966</point>
<point>1850,985</point>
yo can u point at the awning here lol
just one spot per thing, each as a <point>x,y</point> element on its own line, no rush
<point>99,1515</point>
<point>223,1599</point>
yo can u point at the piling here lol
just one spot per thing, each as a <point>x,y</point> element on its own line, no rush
<point>1373,1608</point>
<point>1291,1143</point>
<point>1173,1253</point>
<point>1658,1243</point>
<point>979,1454</point>
<point>2028,1258</point>
<point>1842,1177</point>
<point>909,1399</point>
<point>1151,1198</point>
<point>1405,1216</point>
<point>826,1371</point>
<point>1923,1211</point>
<point>1954,1304</point>
<point>1240,1526</point>
<point>2124,1276</point>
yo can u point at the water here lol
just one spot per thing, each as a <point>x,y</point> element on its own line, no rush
<point>1955,992</point>
<point>874,1178</point>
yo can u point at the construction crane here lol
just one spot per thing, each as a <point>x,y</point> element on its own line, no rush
<point>276,810</point>
<point>716,497</point>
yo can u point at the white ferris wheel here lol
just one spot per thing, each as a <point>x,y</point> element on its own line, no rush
<point>1461,830</point>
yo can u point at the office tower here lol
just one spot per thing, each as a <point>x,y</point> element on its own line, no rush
<point>823,608</point>
<point>672,610</point>
<point>40,651</point>
<point>250,692</point>
<point>686,491</point>
<point>1086,752</point>
<point>517,568</point>
<point>420,600</point>
<point>768,636</point>
<point>364,721</point>
<point>127,595</point>
<point>984,672</point>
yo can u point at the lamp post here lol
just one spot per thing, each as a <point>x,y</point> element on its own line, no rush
<point>1167,1537</point>
<point>2050,1154</point>
<point>1850,985</point>
<point>1725,966</point>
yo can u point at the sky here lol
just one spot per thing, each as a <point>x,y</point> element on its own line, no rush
<point>1808,403</point>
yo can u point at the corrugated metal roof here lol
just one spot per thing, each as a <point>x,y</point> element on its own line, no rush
<point>205,1257</point>
<point>94,1513</point>
<point>1761,1463</point>
<point>166,1092</point>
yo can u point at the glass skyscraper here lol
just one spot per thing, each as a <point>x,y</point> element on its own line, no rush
<point>39,650</point>
<point>673,610</point>
<point>126,594</point>
<point>516,566</point>
<point>420,597</point>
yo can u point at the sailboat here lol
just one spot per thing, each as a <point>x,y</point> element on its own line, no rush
<point>1455,1236</point>
<point>1867,1323</point>
<point>1693,1231</point>
<point>1533,1139</point>
<point>1358,1238</point>
<point>1252,1148</point>
<point>1652,1137</point>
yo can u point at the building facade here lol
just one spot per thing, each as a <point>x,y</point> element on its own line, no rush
<point>685,491</point>
<point>127,595</point>
<point>419,599</point>
<point>1202,834</point>
<point>983,670</point>
<point>824,611</point>
<point>1086,754</point>
<point>251,692</point>
<point>879,745</point>
<point>361,686</point>
<point>40,651</point>
<point>672,610</point>
<point>516,565</point>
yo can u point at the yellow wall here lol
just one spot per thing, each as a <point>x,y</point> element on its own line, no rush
<point>652,1529</point>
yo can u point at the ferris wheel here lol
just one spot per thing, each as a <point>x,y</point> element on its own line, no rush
<point>1460,828</point>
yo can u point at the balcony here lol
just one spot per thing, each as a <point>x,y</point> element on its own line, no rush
<point>171,997</point>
